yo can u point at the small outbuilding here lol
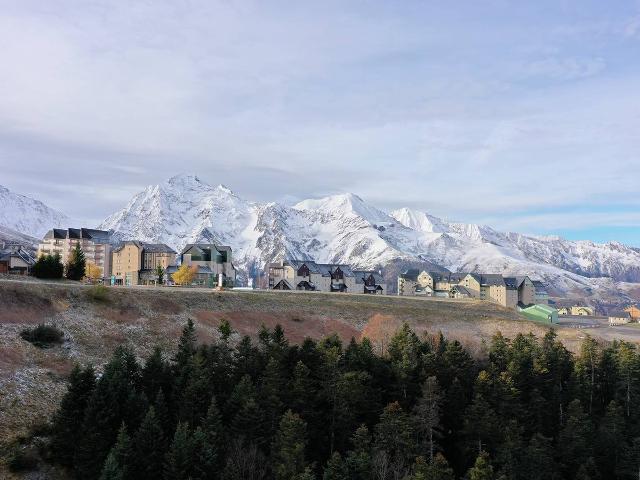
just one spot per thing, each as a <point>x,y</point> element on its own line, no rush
<point>619,317</point>
<point>541,313</point>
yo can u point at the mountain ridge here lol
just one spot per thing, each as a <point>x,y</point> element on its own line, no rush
<point>346,229</point>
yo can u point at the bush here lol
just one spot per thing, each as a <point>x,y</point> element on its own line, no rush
<point>48,266</point>
<point>98,293</point>
<point>43,336</point>
<point>22,461</point>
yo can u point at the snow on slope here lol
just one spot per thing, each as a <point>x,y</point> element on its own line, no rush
<point>28,216</point>
<point>344,228</point>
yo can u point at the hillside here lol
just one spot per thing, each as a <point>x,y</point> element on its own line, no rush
<point>32,379</point>
<point>346,229</point>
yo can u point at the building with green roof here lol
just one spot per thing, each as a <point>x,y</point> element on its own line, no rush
<point>541,313</point>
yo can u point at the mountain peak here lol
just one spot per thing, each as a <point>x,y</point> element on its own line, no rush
<point>188,180</point>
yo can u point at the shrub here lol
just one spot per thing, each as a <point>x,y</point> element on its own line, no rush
<point>98,293</point>
<point>43,336</point>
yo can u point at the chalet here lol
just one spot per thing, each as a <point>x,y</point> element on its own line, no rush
<point>14,259</point>
<point>370,282</point>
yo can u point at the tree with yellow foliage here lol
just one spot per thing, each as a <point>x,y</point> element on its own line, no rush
<point>92,272</point>
<point>185,274</point>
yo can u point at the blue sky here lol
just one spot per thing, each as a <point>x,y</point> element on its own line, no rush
<point>522,115</point>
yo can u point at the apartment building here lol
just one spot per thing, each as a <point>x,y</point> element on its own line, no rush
<point>213,263</point>
<point>136,263</point>
<point>96,245</point>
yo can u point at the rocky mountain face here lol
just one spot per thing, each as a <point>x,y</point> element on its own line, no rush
<point>23,219</point>
<point>344,228</point>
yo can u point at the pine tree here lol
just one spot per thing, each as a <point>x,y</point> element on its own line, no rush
<point>76,265</point>
<point>576,438</point>
<point>288,449</point>
<point>393,439</point>
<point>149,448</point>
<point>179,458</point>
<point>206,461</point>
<point>405,354</point>
<point>611,435</point>
<point>336,468</point>
<point>213,431</point>
<point>67,422</point>
<point>537,462</point>
<point>114,400</point>
<point>359,458</point>
<point>437,470</point>
<point>160,274</point>
<point>116,466</point>
<point>482,469</point>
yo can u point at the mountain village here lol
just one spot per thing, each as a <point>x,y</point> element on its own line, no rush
<point>186,232</point>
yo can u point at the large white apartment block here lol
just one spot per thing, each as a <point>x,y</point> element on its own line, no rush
<point>96,245</point>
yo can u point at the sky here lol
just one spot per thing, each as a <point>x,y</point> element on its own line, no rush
<point>521,115</point>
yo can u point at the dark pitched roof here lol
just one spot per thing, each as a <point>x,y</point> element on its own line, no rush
<point>491,279</point>
<point>157,248</point>
<point>311,265</point>
<point>511,283</point>
<point>461,289</point>
<point>620,314</point>
<point>361,275</point>
<point>411,274</point>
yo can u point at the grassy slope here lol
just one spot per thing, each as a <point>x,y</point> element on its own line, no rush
<point>32,380</point>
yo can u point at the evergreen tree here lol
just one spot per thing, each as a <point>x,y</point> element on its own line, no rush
<point>76,264</point>
<point>336,468</point>
<point>113,401</point>
<point>149,449</point>
<point>359,458</point>
<point>611,435</point>
<point>179,461</point>
<point>67,422</point>
<point>288,449</point>
<point>206,461</point>
<point>405,354</point>
<point>576,438</point>
<point>482,469</point>
<point>438,469</point>
<point>538,463</point>
<point>160,274</point>
<point>116,466</point>
<point>393,440</point>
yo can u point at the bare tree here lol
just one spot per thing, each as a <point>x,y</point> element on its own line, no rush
<point>245,462</point>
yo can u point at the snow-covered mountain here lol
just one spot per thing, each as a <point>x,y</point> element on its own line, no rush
<point>344,228</point>
<point>26,216</point>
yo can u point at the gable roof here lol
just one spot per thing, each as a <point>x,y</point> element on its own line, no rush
<point>411,274</point>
